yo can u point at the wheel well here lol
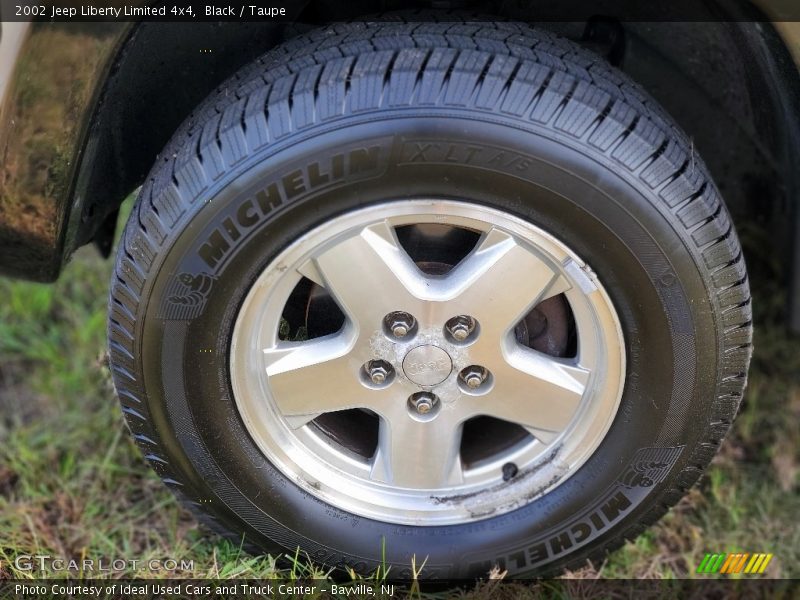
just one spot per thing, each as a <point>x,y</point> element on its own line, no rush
<point>162,72</point>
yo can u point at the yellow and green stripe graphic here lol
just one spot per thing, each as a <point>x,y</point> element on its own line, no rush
<point>742,562</point>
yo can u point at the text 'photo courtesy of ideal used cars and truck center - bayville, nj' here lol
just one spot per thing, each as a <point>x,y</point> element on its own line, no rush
<point>396,298</point>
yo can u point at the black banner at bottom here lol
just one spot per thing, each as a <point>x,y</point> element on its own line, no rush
<point>585,589</point>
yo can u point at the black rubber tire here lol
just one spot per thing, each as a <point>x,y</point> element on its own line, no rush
<point>505,115</point>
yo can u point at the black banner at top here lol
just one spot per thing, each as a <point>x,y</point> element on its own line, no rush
<point>326,10</point>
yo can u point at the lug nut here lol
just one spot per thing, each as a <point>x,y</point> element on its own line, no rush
<point>460,327</point>
<point>424,406</point>
<point>460,332</point>
<point>379,372</point>
<point>473,380</point>
<point>423,403</point>
<point>399,330</point>
<point>399,324</point>
<point>474,376</point>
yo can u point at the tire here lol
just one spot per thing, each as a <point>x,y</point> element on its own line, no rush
<point>379,120</point>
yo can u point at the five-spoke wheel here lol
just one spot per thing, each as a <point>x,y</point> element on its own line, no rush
<point>412,350</point>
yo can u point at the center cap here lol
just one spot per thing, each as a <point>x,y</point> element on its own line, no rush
<point>427,365</point>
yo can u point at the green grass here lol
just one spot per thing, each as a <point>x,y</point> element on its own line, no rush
<point>72,484</point>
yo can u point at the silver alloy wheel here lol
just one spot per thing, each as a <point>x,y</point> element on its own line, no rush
<point>422,398</point>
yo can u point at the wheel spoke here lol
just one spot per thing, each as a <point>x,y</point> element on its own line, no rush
<point>302,376</point>
<point>534,390</point>
<point>370,263</point>
<point>498,283</point>
<point>418,455</point>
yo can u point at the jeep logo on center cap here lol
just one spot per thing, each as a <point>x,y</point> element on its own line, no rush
<point>427,365</point>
